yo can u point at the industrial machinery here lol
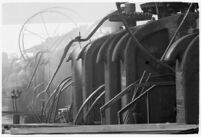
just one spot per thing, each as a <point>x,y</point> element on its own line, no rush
<point>138,74</point>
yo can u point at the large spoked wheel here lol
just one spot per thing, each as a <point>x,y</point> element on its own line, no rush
<point>48,25</point>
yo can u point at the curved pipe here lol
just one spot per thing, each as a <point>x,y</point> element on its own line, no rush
<point>104,50</point>
<point>98,26</point>
<point>54,96</point>
<point>54,99</point>
<point>100,57</point>
<point>35,89</point>
<point>93,74</point>
<point>120,47</point>
<point>86,101</point>
<point>192,43</point>
<point>94,45</point>
<point>91,44</point>
<point>93,104</point>
<point>71,55</point>
<point>36,67</point>
<point>113,79</point>
<point>58,97</point>
<point>55,91</point>
<point>178,47</point>
<point>189,68</point>
<point>62,82</point>
<point>177,30</point>
<point>81,53</point>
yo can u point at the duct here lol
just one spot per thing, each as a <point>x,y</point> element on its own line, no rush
<point>112,74</point>
<point>128,59</point>
<point>90,68</point>
<point>93,74</point>
<point>76,70</point>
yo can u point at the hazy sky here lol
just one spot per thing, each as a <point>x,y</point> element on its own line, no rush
<point>15,14</point>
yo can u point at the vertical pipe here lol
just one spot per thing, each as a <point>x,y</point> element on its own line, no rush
<point>76,68</point>
<point>131,73</point>
<point>147,103</point>
<point>112,87</point>
<point>180,95</point>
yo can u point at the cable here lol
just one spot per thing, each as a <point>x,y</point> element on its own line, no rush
<point>58,97</point>
<point>35,69</point>
<point>133,102</point>
<point>99,89</point>
<point>54,99</point>
<point>54,93</point>
<point>171,41</point>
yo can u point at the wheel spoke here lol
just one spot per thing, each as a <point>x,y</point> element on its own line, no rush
<point>44,24</point>
<point>56,29</point>
<point>35,34</point>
